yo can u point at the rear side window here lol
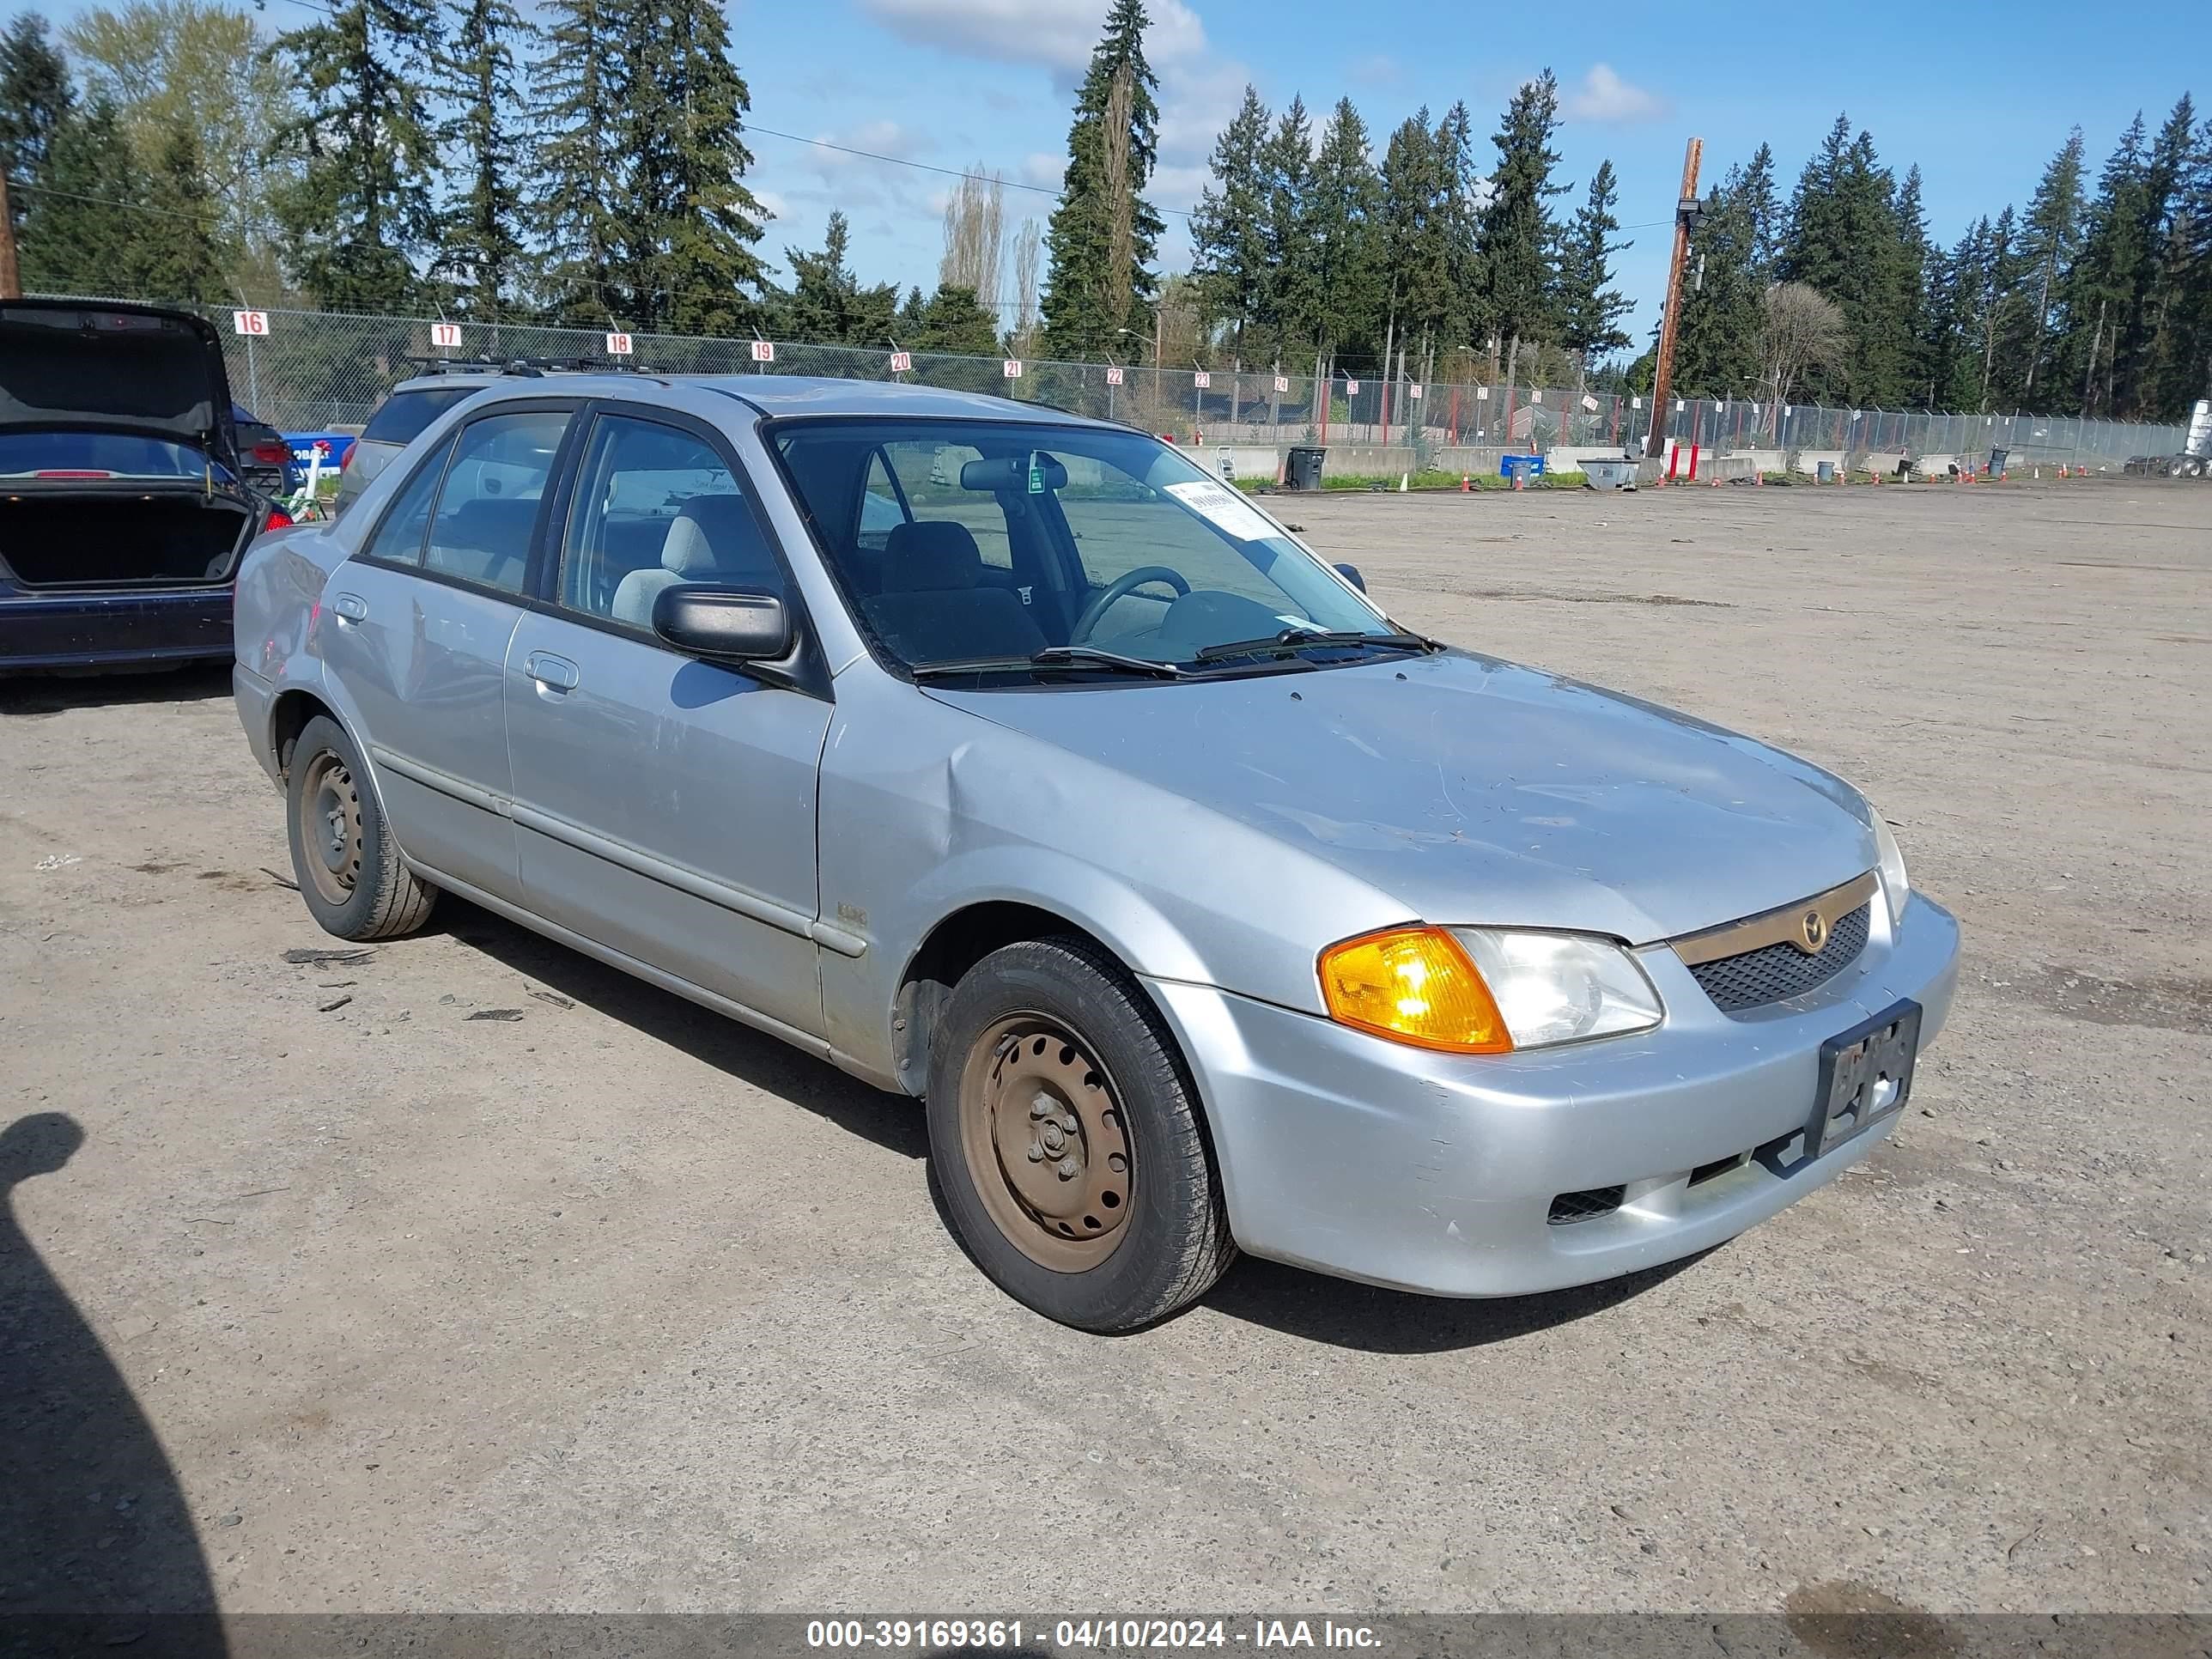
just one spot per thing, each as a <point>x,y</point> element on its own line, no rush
<point>400,538</point>
<point>405,414</point>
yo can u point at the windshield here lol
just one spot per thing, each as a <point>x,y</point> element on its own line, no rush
<point>99,455</point>
<point>986,543</point>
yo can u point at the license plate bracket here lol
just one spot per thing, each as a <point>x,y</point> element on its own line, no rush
<point>1866,1075</point>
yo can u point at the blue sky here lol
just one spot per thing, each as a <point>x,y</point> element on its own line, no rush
<point>1979,98</point>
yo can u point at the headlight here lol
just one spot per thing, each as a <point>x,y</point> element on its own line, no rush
<point>1561,988</point>
<point>1484,990</point>
<point>1896,886</point>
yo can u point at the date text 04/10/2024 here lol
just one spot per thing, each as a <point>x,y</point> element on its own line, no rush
<point>1112,1634</point>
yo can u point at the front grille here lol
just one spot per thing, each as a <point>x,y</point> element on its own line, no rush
<point>1585,1206</point>
<point>1773,972</point>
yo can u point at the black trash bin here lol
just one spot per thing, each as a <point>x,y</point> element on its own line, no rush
<point>1998,457</point>
<point>1303,469</point>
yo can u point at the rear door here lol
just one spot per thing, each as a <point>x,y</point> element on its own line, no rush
<point>418,635</point>
<point>664,806</point>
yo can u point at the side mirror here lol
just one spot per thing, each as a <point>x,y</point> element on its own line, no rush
<point>1351,573</point>
<point>731,624</point>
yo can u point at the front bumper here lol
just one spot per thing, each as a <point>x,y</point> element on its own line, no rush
<point>1375,1161</point>
<point>113,629</point>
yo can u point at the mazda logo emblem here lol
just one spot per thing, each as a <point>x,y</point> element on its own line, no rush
<point>1813,932</point>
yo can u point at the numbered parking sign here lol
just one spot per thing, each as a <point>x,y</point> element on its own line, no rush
<point>1482,394</point>
<point>1012,368</point>
<point>1414,393</point>
<point>445,335</point>
<point>1282,383</point>
<point>250,322</point>
<point>1351,388</point>
<point>618,345</point>
<point>763,351</point>
<point>1113,377</point>
<point>902,362</point>
<point>1201,379</point>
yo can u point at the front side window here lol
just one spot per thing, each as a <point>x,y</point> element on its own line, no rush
<point>488,507</point>
<point>656,506</point>
<point>1004,540</point>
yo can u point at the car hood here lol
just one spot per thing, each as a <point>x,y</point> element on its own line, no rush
<point>144,369</point>
<point>1476,791</point>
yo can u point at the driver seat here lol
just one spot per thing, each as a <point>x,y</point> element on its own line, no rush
<point>933,607</point>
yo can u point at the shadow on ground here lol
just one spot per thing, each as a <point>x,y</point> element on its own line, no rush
<point>751,1057</point>
<point>97,1546</point>
<point>30,697</point>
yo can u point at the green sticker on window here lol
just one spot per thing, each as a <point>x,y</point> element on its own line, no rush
<point>1036,476</point>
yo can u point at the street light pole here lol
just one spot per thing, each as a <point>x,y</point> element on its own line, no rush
<point>1663,378</point>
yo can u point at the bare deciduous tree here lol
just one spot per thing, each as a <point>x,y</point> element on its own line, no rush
<point>1800,329</point>
<point>975,219</point>
<point>1027,247</point>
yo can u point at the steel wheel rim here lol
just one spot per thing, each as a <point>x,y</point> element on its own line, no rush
<point>1058,1193</point>
<point>330,827</point>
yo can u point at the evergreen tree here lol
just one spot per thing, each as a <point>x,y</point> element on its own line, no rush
<point>357,211</point>
<point>1343,202</point>
<point>827,306</point>
<point>1288,302</point>
<point>1518,234</point>
<point>1589,309</point>
<point>1104,237</point>
<point>84,229</point>
<point>579,190</point>
<point>1461,224</point>
<point>2005,315</point>
<point>2179,323</point>
<point>692,266</point>
<point>2101,285</point>
<point>1844,241</point>
<point>1756,189</point>
<point>2049,237</point>
<point>180,253</point>
<point>36,100</point>
<point>1716,339</point>
<point>952,321</point>
<point>1229,227</point>
<point>1416,257</point>
<point>480,246</point>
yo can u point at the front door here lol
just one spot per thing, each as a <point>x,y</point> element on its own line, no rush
<point>664,806</point>
<point>418,631</point>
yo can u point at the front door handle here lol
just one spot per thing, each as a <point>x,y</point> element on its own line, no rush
<point>351,606</point>
<point>549,670</point>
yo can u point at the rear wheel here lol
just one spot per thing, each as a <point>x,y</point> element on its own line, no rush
<point>1067,1141</point>
<point>348,864</point>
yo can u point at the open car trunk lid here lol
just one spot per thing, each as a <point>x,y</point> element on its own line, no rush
<point>65,365</point>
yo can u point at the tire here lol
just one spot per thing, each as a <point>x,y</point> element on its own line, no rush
<point>346,862</point>
<point>1038,1036</point>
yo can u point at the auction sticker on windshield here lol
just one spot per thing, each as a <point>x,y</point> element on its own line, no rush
<point>1224,509</point>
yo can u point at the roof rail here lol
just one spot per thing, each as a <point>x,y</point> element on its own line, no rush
<point>526,366</point>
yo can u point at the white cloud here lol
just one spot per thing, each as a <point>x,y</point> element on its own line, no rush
<point>1056,34</point>
<point>1046,168</point>
<point>1197,99</point>
<point>774,204</point>
<point>1604,96</point>
<point>879,137</point>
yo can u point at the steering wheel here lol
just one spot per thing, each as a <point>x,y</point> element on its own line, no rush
<point>1119,588</point>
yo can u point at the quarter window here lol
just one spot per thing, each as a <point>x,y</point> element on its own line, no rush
<point>488,505</point>
<point>657,507</point>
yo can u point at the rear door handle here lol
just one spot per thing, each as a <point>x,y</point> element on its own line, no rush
<point>351,606</point>
<point>549,670</point>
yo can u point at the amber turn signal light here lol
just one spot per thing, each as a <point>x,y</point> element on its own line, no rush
<point>1414,985</point>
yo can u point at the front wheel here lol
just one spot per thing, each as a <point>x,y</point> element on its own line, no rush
<point>348,864</point>
<point>1065,1139</point>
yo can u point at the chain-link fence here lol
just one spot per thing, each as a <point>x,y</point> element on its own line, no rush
<point>316,370</point>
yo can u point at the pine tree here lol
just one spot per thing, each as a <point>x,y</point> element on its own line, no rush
<point>1755,188</point>
<point>1104,236</point>
<point>2179,348</point>
<point>1905,272</point>
<point>827,306</point>
<point>1844,241</point>
<point>180,252</point>
<point>692,266</point>
<point>1288,302</point>
<point>82,233</point>
<point>1415,255</point>
<point>480,246</point>
<point>1518,234</point>
<point>36,100</point>
<point>358,212</point>
<point>1461,224</point>
<point>1589,309</point>
<point>2101,285</point>
<point>1229,227</point>
<point>577,194</point>
<point>952,321</point>
<point>2049,238</point>
<point>1717,340</point>
<point>1343,201</point>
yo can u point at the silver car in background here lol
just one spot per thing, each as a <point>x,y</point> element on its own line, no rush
<point>1008,760</point>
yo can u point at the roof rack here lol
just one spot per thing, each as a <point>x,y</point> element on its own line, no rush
<point>527,367</point>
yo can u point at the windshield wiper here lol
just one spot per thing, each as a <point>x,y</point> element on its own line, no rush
<point>1052,656</point>
<point>1297,639</point>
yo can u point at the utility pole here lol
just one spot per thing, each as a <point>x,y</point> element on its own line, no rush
<point>11,280</point>
<point>1663,378</point>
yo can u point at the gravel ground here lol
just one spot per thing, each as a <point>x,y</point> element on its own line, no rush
<point>469,1274</point>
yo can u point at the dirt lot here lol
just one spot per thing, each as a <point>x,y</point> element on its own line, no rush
<point>605,1303</point>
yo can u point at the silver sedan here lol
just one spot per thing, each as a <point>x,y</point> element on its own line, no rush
<point>1009,761</point>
